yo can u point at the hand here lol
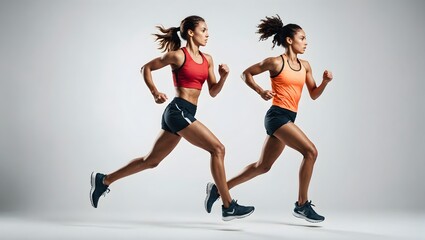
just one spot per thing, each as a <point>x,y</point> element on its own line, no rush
<point>160,97</point>
<point>327,76</point>
<point>223,70</point>
<point>267,94</point>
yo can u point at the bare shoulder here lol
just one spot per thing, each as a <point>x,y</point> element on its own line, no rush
<point>207,56</point>
<point>177,54</point>
<point>306,64</point>
<point>272,64</point>
<point>175,58</point>
<point>273,60</point>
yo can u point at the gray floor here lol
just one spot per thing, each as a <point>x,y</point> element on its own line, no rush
<point>337,226</point>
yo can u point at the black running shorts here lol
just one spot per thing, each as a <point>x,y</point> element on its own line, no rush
<point>277,117</point>
<point>178,115</point>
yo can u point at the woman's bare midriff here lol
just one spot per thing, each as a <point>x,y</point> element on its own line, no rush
<point>189,94</point>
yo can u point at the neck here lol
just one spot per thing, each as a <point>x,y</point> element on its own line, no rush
<point>291,55</point>
<point>192,48</point>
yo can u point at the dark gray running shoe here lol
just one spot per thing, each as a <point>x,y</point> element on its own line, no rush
<point>212,196</point>
<point>307,212</point>
<point>236,211</point>
<point>97,188</point>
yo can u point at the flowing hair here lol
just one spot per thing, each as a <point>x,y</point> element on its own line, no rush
<point>169,40</point>
<point>273,26</point>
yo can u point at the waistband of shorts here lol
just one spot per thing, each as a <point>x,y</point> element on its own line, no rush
<point>184,103</point>
<point>283,109</point>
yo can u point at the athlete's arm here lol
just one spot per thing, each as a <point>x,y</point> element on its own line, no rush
<point>214,86</point>
<point>172,58</point>
<point>268,64</point>
<point>316,91</point>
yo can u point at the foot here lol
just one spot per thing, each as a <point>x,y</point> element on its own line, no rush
<point>236,211</point>
<point>97,188</point>
<point>212,196</point>
<point>306,212</point>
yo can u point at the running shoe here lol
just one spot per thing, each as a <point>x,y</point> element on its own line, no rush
<point>307,212</point>
<point>97,188</point>
<point>212,196</point>
<point>236,211</point>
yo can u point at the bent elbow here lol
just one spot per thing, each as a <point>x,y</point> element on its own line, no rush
<point>144,69</point>
<point>244,75</point>
<point>314,95</point>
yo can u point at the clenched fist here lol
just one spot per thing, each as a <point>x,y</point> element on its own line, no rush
<point>223,70</point>
<point>327,76</point>
<point>160,97</point>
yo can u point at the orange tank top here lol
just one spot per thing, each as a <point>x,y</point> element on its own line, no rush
<point>288,85</point>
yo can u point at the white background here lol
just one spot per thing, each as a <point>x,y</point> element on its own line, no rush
<point>72,101</point>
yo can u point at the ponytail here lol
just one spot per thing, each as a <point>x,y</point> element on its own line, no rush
<point>273,26</point>
<point>169,40</point>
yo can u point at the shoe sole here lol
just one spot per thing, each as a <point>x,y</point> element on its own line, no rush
<point>229,218</point>
<point>93,186</point>
<point>306,218</point>
<point>208,190</point>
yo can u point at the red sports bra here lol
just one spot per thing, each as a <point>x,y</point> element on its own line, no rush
<point>191,74</point>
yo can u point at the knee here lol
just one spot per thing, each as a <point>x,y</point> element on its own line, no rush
<point>218,150</point>
<point>151,164</point>
<point>262,168</point>
<point>311,153</point>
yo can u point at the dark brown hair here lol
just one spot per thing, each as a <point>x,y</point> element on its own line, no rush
<point>170,40</point>
<point>273,26</point>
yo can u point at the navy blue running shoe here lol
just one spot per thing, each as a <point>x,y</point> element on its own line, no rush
<point>97,188</point>
<point>306,212</point>
<point>212,196</point>
<point>236,211</point>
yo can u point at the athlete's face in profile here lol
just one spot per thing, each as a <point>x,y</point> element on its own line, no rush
<point>200,34</point>
<point>299,42</point>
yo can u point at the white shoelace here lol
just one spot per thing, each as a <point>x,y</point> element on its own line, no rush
<point>106,192</point>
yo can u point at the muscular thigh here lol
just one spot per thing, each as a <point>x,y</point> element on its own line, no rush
<point>199,135</point>
<point>291,135</point>
<point>272,149</point>
<point>163,145</point>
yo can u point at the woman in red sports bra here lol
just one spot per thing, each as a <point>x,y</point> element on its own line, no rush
<point>288,75</point>
<point>190,69</point>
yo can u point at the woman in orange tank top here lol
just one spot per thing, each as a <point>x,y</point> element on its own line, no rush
<point>191,69</point>
<point>288,76</point>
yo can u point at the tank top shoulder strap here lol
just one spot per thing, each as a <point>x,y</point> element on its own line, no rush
<point>189,57</point>
<point>185,52</point>
<point>281,69</point>
<point>184,61</point>
<point>204,58</point>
